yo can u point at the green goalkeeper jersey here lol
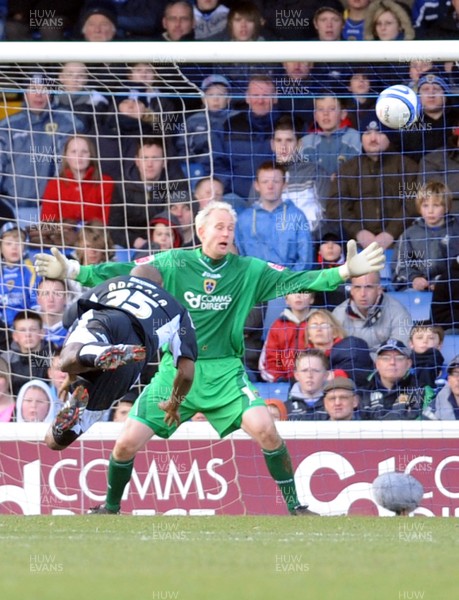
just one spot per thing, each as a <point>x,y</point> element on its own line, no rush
<point>219,294</point>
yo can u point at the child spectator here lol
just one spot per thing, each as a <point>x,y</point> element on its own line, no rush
<point>52,300</point>
<point>361,105</point>
<point>28,356</point>
<point>334,142</point>
<point>277,409</point>
<point>285,339</point>
<point>330,253</point>
<point>194,145</point>
<point>17,275</point>
<point>354,19</point>
<point>34,403</point>
<point>445,407</point>
<point>424,248</point>
<point>81,193</point>
<point>94,245</point>
<point>346,353</point>
<point>210,19</point>
<point>7,403</point>
<point>425,344</point>
<point>208,189</point>
<point>164,235</point>
<point>305,396</point>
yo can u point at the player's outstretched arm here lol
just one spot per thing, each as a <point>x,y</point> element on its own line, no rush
<point>181,386</point>
<point>371,259</point>
<point>56,265</point>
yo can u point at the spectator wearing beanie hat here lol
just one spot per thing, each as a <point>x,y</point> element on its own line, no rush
<point>98,21</point>
<point>433,127</point>
<point>374,210</point>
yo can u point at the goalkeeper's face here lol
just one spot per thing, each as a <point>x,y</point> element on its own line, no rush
<point>217,234</point>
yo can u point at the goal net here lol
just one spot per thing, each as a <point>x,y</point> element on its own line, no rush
<point>108,152</point>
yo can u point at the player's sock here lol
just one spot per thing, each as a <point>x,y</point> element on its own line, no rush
<point>119,473</point>
<point>88,354</point>
<point>280,467</point>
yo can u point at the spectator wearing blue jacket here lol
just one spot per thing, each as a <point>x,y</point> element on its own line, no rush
<point>244,141</point>
<point>31,143</point>
<point>17,275</point>
<point>274,230</point>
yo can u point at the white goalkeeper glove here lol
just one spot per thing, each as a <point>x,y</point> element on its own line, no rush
<point>369,260</point>
<point>56,265</point>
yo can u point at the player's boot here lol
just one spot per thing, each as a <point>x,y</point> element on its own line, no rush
<point>303,511</point>
<point>101,509</point>
<point>119,355</point>
<point>72,410</point>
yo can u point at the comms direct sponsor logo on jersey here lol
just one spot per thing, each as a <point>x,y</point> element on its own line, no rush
<point>207,301</point>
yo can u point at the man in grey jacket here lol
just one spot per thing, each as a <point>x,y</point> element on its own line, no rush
<point>373,315</point>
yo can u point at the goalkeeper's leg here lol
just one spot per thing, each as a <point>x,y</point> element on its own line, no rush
<point>258,423</point>
<point>133,438</point>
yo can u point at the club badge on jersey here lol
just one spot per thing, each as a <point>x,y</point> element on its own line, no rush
<point>209,285</point>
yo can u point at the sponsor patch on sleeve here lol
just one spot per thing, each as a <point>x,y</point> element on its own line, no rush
<point>145,259</point>
<point>276,267</point>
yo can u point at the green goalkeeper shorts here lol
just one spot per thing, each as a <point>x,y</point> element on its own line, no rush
<point>221,390</point>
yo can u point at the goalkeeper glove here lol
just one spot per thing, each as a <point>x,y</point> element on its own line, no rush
<point>369,260</point>
<point>56,265</point>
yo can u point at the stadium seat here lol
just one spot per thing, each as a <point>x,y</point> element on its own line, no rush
<point>450,347</point>
<point>417,303</point>
<point>122,255</point>
<point>273,310</point>
<point>273,390</point>
<point>386,273</point>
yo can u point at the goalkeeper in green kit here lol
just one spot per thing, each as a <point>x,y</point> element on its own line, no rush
<point>219,289</point>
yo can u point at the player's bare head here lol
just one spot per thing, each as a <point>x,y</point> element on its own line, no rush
<point>147,272</point>
<point>203,216</point>
<point>215,226</point>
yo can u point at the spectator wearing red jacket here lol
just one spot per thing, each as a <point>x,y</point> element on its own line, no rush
<point>285,339</point>
<point>81,193</point>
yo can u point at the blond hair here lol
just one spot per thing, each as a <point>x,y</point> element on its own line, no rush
<point>435,188</point>
<point>203,215</point>
<point>337,328</point>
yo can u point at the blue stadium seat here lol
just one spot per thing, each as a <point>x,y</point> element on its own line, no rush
<point>273,390</point>
<point>417,303</point>
<point>450,347</point>
<point>122,255</point>
<point>273,310</point>
<point>386,273</point>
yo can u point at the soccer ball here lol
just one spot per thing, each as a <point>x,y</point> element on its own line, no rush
<point>397,106</point>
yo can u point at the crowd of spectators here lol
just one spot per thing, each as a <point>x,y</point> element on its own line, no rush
<point>113,161</point>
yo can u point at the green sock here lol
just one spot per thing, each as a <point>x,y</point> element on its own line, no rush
<point>119,473</point>
<point>280,467</point>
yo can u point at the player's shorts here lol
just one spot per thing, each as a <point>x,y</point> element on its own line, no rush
<point>109,327</point>
<point>221,390</point>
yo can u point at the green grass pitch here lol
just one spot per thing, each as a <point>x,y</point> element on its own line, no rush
<point>228,558</point>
